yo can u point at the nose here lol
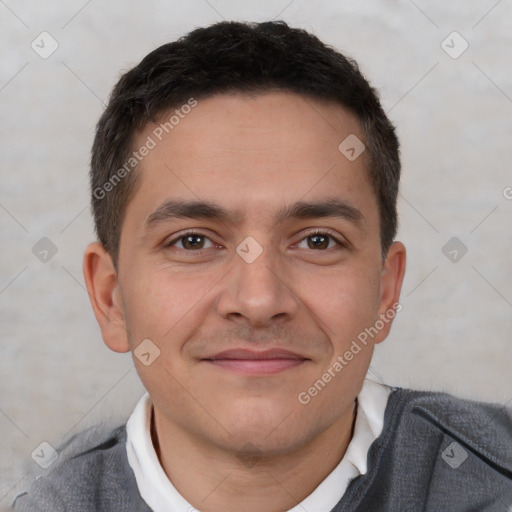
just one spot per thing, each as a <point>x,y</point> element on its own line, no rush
<point>257,292</point>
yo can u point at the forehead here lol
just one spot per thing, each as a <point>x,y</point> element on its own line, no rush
<point>251,152</point>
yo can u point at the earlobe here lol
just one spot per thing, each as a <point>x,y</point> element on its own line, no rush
<point>102,285</point>
<point>391,284</point>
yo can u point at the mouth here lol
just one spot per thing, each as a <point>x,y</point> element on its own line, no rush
<point>256,362</point>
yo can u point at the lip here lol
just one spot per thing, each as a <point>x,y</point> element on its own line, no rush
<point>243,353</point>
<point>252,362</point>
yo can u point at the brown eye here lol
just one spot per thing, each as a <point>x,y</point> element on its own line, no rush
<point>192,241</point>
<point>321,241</point>
<point>189,242</point>
<point>318,242</point>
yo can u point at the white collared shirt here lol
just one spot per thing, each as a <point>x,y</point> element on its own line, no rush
<point>160,494</point>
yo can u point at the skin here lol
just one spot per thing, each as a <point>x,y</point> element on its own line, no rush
<point>252,155</point>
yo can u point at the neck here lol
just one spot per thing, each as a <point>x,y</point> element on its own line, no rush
<point>212,480</point>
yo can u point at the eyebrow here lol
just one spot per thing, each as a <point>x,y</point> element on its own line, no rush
<point>175,209</point>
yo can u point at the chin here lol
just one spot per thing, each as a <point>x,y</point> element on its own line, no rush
<point>272,429</point>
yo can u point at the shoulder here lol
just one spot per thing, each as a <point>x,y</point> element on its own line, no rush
<point>482,427</point>
<point>91,473</point>
<point>438,452</point>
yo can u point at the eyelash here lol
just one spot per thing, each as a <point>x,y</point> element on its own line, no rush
<point>324,232</point>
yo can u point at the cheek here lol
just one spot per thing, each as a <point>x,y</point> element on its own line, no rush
<point>344,301</point>
<point>162,304</point>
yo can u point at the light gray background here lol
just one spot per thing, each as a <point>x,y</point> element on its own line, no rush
<point>454,119</point>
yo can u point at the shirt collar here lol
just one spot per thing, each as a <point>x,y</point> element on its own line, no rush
<point>161,495</point>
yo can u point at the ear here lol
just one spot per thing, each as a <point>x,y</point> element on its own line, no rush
<point>390,286</point>
<point>102,285</point>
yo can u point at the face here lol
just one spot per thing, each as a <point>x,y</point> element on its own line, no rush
<point>281,266</point>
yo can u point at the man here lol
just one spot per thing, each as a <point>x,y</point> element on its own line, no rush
<point>244,182</point>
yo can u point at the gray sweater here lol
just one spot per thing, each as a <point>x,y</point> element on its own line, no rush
<point>435,453</point>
